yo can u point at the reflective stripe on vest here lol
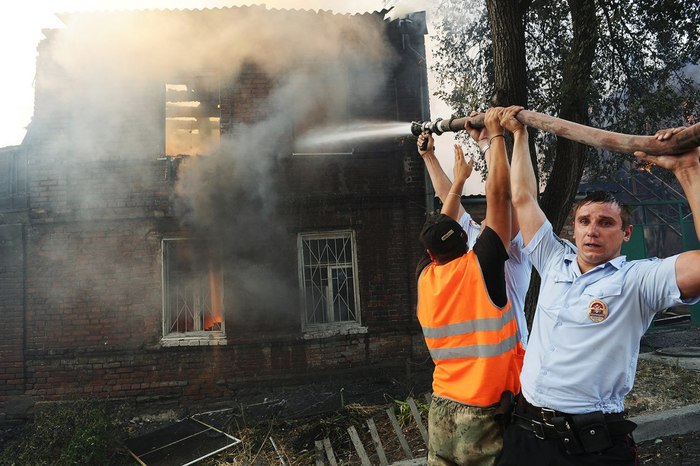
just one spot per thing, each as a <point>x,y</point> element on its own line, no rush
<point>476,325</point>
<point>473,342</point>
<point>475,351</point>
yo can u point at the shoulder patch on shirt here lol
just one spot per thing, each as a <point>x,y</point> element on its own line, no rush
<point>597,310</point>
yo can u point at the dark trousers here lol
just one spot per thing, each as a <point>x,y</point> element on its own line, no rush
<point>522,448</point>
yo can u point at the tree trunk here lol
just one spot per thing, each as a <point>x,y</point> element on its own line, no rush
<point>576,83</point>
<point>570,156</point>
<point>507,20</point>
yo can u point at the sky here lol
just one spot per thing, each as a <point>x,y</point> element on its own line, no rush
<point>21,30</point>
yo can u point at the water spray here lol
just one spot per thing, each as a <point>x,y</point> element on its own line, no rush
<point>681,142</point>
<point>350,133</point>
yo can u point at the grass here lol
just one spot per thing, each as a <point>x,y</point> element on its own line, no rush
<point>660,386</point>
<point>68,433</point>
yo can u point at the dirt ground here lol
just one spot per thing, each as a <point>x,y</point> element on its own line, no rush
<point>288,436</point>
<point>658,387</point>
<point>683,450</point>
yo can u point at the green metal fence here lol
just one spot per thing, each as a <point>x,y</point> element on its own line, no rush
<point>662,229</point>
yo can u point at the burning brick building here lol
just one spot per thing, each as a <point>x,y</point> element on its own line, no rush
<point>163,236</point>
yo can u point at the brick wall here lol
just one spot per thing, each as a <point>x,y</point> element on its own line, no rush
<point>83,306</point>
<point>12,298</point>
<point>193,374</point>
<point>93,285</point>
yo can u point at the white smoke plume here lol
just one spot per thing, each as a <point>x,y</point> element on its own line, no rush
<point>116,64</point>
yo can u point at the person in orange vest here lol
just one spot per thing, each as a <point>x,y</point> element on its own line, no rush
<point>468,323</point>
<point>518,267</point>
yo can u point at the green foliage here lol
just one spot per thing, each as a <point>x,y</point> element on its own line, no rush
<point>646,72</point>
<point>464,57</point>
<point>403,411</point>
<point>71,433</point>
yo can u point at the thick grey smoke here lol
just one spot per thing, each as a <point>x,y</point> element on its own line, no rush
<point>119,63</point>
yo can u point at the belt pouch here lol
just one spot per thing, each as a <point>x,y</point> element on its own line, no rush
<point>592,431</point>
<point>567,435</point>
<point>504,411</point>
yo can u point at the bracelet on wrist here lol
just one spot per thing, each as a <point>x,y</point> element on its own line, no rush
<point>496,136</point>
<point>455,194</point>
<point>486,147</point>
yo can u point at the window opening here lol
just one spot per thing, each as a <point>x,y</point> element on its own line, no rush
<point>192,290</point>
<point>192,116</point>
<point>328,283</point>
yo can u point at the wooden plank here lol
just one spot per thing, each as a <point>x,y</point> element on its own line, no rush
<point>399,433</point>
<point>329,452</point>
<point>377,442</point>
<point>419,422</point>
<point>359,448</point>
<point>277,450</point>
<point>319,453</point>
<point>413,462</point>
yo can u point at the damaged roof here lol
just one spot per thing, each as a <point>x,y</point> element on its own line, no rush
<point>65,17</point>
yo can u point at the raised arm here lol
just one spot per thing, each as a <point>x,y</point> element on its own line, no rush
<point>686,168</point>
<point>522,178</point>
<point>498,193</point>
<point>452,206</point>
<point>438,177</point>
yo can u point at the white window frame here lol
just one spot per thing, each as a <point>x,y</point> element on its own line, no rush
<point>195,336</point>
<point>330,326</point>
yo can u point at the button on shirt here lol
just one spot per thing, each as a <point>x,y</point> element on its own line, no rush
<point>583,349</point>
<point>517,270</point>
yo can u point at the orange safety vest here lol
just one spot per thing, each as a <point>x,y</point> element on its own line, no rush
<point>474,343</point>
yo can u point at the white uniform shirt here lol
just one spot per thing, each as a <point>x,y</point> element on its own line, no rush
<point>583,349</point>
<point>517,270</point>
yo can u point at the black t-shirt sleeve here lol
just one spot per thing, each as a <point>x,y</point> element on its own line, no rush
<point>492,256</point>
<point>423,263</point>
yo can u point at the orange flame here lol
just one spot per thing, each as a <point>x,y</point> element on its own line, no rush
<point>213,319</point>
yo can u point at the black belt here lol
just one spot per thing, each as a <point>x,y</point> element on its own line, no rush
<point>549,423</point>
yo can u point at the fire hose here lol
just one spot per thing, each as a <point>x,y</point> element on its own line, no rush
<point>680,142</point>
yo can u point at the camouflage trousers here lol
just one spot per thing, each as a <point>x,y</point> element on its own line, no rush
<point>462,435</point>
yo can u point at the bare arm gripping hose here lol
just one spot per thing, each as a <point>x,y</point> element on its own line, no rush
<point>681,142</point>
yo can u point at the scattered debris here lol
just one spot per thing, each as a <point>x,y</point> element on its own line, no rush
<point>185,442</point>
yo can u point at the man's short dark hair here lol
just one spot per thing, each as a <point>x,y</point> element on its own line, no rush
<point>444,238</point>
<point>606,197</point>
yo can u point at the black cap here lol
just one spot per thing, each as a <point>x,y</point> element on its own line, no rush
<point>442,235</point>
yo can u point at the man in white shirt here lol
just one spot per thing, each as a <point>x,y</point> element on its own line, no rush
<point>593,308</point>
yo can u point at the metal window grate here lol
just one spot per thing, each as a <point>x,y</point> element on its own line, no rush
<point>188,293</point>
<point>328,278</point>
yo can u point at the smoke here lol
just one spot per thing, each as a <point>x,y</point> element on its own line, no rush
<point>317,64</point>
<point>402,8</point>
